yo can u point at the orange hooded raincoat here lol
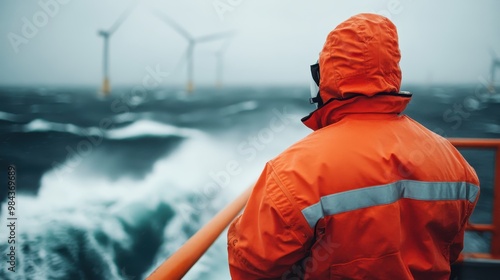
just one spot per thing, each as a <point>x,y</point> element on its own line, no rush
<point>371,193</point>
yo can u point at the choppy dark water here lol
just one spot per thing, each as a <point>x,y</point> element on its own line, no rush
<point>108,188</point>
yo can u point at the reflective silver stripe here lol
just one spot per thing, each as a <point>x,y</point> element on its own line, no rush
<point>386,194</point>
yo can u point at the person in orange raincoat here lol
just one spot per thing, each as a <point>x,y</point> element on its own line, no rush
<point>371,193</point>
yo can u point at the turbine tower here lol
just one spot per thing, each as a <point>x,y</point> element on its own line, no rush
<point>106,35</point>
<point>495,63</point>
<point>219,56</point>
<point>192,41</point>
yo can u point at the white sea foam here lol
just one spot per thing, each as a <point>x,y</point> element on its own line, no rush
<point>494,98</point>
<point>139,128</point>
<point>128,117</point>
<point>43,125</point>
<point>142,128</point>
<point>492,128</point>
<point>239,107</point>
<point>9,117</point>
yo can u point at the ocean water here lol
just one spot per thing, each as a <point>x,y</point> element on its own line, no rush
<point>108,188</point>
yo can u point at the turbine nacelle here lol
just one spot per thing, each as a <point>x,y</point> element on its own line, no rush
<point>104,33</point>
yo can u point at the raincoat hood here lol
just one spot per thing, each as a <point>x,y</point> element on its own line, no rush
<point>359,62</point>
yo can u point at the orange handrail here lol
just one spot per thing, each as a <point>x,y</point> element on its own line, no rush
<point>177,265</point>
<point>181,261</point>
<point>494,227</point>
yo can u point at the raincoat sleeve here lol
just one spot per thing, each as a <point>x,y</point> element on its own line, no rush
<point>271,235</point>
<point>457,245</point>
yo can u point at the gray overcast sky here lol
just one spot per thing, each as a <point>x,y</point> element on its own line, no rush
<point>441,41</point>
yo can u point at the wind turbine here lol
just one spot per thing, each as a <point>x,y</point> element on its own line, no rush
<point>192,41</point>
<point>219,56</point>
<point>495,63</point>
<point>106,35</point>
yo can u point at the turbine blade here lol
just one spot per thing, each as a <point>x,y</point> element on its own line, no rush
<point>215,36</point>
<point>123,17</point>
<point>173,24</point>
